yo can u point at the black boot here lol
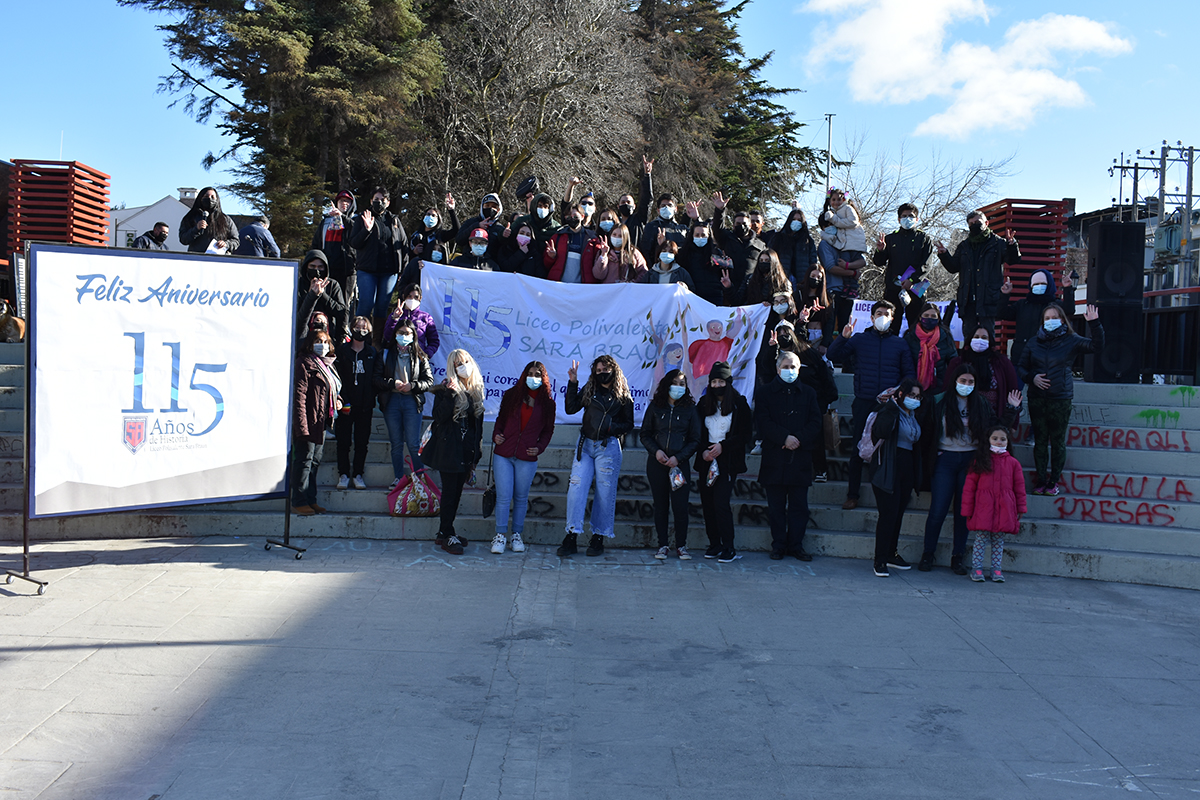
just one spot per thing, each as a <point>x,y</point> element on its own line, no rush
<point>926,562</point>
<point>956,565</point>
<point>568,547</point>
<point>596,545</point>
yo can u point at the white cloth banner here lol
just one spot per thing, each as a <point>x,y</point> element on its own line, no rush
<point>159,378</point>
<point>506,321</point>
<point>862,318</point>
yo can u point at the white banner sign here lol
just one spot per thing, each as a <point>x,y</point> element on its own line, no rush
<point>862,318</point>
<point>506,321</point>
<point>158,378</point>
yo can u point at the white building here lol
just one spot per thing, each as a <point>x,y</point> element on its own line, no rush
<point>129,223</point>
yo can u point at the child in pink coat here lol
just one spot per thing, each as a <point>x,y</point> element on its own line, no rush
<point>993,500</point>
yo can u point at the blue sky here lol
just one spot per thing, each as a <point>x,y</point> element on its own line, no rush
<point>1062,87</point>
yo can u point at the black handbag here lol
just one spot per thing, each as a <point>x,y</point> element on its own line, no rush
<point>489,494</point>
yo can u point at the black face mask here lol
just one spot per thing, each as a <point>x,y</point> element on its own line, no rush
<point>378,207</point>
<point>625,210</point>
<point>814,283</point>
<point>764,266</point>
<point>158,237</point>
<point>741,229</point>
<point>604,378</point>
<point>360,336</point>
<point>208,203</point>
<point>976,227</point>
<point>319,326</point>
<point>574,222</point>
<point>315,273</point>
<point>489,213</point>
<point>928,324</point>
<point>718,390</point>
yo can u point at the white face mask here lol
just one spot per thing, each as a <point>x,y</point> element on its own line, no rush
<point>404,341</point>
<point>321,348</point>
<point>789,374</point>
<point>463,370</point>
<point>543,213</point>
<point>882,323</point>
<point>780,308</point>
<point>908,223</point>
<point>964,389</point>
<point>979,345</point>
<point>666,257</point>
<point>412,304</point>
<point>998,450</point>
<point>666,212</point>
<point>617,241</point>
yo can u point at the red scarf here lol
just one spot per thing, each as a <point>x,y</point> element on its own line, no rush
<point>928,357</point>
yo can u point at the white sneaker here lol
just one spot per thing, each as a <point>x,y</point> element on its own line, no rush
<point>517,545</point>
<point>498,543</point>
<point>359,483</point>
<point>757,449</point>
<point>344,482</point>
<point>662,553</point>
<point>393,486</point>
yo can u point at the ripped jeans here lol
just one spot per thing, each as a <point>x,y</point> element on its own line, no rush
<point>604,464</point>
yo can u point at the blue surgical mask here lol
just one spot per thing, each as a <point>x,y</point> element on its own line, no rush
<point>533,383</point>
<point>1052,324</point>
<point>676,392</point>
<point>666,257</point>
<point>780,308</point>
<point>789,374</point>
<point>700,241</point>
<point>543,213</point>
<point>606,225</point>
<point>908,223</point>
<point>964,389</point>
<point>1038,288</point>
<point>404,341</point>
<point>795,224</point>
<point>912,403</point>
<point>616,241</point>
<point>431,221</point>
<point>436,255</point>
<point>478,249</point>
<point>666,212</point>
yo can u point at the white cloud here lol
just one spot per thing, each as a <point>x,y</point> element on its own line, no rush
<point>898,53</point>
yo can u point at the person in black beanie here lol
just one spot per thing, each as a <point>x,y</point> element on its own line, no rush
<point>726,426</point>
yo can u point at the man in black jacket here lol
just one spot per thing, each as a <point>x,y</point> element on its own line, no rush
<point>662,229</point>
<point>155,239</point>
<point>788,419</point>
<point>979,261</point>
<point>905,247</point>
<point>740,244</point>
<point>381,249</point>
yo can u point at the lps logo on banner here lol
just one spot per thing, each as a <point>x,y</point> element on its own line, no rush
<point>135,433</point>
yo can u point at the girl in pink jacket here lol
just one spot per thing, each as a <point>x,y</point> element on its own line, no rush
<point>993,500</point>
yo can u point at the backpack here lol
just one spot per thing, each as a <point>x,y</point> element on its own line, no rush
<point>867,446</point>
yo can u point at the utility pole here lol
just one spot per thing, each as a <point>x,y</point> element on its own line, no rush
<point>828,150</point>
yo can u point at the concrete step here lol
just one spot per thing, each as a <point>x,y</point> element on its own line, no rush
<point>12,353</point>
<point>1021,555</point>
<point>12,420</point>
<point>12,375</point>
<point>12,397</point>
<point>1135,462</point>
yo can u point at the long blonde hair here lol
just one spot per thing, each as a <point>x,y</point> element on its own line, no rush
<point>473,382</point>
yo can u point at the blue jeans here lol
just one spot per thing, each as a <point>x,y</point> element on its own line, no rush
<point>374,291</point>
<point>949,475</point>
<point>403,421</point>
<point>513,478</point>
<point>603,464</point>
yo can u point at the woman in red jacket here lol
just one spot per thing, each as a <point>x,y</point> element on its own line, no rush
<point>523,430</point>
<point>315,404</point>
<point>993,500</point>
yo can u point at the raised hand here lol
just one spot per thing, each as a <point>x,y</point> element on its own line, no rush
<point>368,218</point>
<point>725,281</point>
<point>1066,281</point>
<point>803,314</point>
<point>1014,398</point>
<point>449,201</point>
<point>1092,313</point>
<point>573,372</point>
<point>1009,238</point>
<point>551,250</point>
<point>1006,287</point>
<point>693,209</point>
<point>662,237</point>
<point>576,181</point>
<point>718,200</point>
<point>848,331</point>
<point>880,242</point>
<point>647,164</point>
<point>773,339</point>
<point>941,248</point>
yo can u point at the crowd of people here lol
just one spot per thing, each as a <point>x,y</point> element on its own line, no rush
<point>927,415</point>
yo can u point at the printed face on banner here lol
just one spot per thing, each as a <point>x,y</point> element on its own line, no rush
<point>159,380</point>
<point>506,321</point>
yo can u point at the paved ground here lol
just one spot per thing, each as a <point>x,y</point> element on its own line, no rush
<point>209,669</point>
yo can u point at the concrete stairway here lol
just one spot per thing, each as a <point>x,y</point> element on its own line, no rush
<point>1131,516</point>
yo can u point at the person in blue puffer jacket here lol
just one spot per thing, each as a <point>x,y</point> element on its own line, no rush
<point>882,361</point>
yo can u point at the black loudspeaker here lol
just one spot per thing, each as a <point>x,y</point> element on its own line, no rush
<point>1116,262</point>
<point>1121,359</point>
